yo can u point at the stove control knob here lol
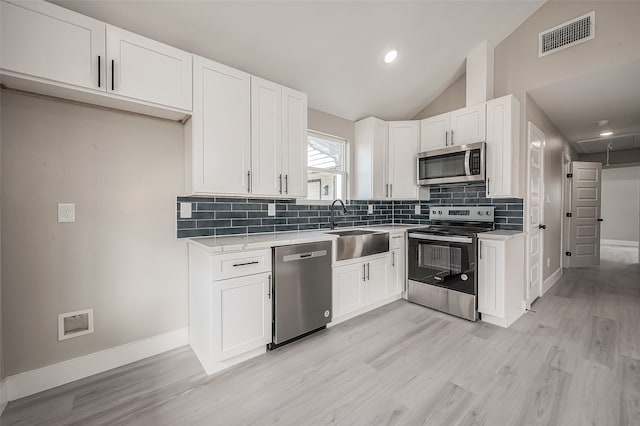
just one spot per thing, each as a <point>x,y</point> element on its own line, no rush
<point>488,213</point>
<point>433,212</point>
<point>439,211</point>
<point>480,212</point>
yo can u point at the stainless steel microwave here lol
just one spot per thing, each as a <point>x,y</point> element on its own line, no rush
<point>454,164</point>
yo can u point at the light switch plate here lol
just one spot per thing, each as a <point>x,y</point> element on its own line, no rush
<point>66,212</point>
<point>271,209</point>
<point>417,209</point>
<point>370,208</point>
<point>185,210</point>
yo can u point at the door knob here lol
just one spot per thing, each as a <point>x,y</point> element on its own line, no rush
<point>542,226</point>
<point>600,219</point>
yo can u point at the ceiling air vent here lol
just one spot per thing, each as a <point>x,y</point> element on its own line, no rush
<point>567,34</point>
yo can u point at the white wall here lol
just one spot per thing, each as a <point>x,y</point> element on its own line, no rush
<point>451,99</point>
<point>621,204</point>
<point>120,258</point>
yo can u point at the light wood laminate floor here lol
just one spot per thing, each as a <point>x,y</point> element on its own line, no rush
<point>574,361</point>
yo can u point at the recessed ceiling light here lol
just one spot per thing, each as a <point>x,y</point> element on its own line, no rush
<point>606,133</point>
<point>390,56</point>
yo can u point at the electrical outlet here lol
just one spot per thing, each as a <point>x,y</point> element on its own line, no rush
<point>271,209</point>
<point>66,212</point>
<point>417,209</point>
<point>370,209</point>
<point>185,210</point>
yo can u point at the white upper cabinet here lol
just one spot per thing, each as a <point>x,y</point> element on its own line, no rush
<point>385,159</point>
<point>403,150</point>
<point>294,142</point>
<point>43,41</point>
<point>51,50</point>
<point>279,140</point>
<point>459,127</point>
<point>435,132</point>
<point>218,159</point>
<point>468,125</point>
<point>266,137</point>
<point>371,159</point>
<point>503,142</point>
<point>147,70</point>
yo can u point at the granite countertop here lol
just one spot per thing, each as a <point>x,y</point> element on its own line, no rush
<point>258,241</point>
<point>500,235</point>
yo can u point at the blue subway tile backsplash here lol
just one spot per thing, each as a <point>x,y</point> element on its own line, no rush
<point>238,216</point>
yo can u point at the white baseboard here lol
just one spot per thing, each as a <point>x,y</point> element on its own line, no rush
<point>34,381</point>
<point>3,395</point>
<point>621,243</point>
<point>551,280</point>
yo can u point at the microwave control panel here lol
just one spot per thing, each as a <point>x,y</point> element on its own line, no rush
<point>474,161</point>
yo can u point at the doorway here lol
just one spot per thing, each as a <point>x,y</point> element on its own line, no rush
<point>535,223</point>
<point>620,229</point>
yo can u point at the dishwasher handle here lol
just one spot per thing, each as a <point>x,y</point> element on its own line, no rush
<point>302,256</point>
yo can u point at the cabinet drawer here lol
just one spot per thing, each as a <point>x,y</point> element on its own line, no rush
<point>234,265</point>
<point>396,242</point>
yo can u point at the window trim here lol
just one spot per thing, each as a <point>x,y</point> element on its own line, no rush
<point>344,174</point>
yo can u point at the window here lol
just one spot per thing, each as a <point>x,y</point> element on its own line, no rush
<point>326,171</point>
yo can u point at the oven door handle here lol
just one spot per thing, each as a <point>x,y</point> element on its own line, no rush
<point>451,239</point>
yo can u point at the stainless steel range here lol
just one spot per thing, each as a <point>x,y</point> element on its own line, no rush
<point>442,260</point>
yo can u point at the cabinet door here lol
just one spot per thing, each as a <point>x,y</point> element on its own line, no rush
<point>42,40</point>
<point>396,282</point>
<point>468,125</point>
<point>147,70</point>
<point>294,142</point>
<point>380,160</point>
<point>435,132</point>
<point>403,151</point>
<point>266,138</point>
<point>347,289</point>
<point>503,118</point>
<point>491,285</point>
<point>242,315</point>
<point>221,149</point>
<point>376,284</point>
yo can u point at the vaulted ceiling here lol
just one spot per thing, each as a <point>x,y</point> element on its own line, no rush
<point>332,50</point>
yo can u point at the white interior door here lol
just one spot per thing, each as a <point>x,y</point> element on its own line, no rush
<point>536,141</point>
<point>586,185</point>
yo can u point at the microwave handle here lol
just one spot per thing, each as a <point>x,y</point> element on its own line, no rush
<point>467,159</point>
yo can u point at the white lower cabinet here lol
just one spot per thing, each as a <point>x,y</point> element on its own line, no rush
<point>242,314</point>
<point>376,284</point>
<point>229,306</point>
<point>347,289</point>
<point>397,269</point>
<point>500,278</point>
<point>361,285</point>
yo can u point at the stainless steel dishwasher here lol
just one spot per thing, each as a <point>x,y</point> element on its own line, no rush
<point>301,290</point>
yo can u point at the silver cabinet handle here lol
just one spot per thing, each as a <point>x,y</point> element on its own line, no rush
<point>393,259</point>
<point>280,183</point>
<point>255,262</point>
<point>446,138</point>
<point>368,270</point>
<point>386,190</point>
<point>269,289</point>
<point>480,248</point>
<point>390,190</point>
<point>451,138</point>
<point>99,72</point>
<point>488,186</point>
<point>286,184</point>
<point>249,181</point>
<point>364,272</point>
